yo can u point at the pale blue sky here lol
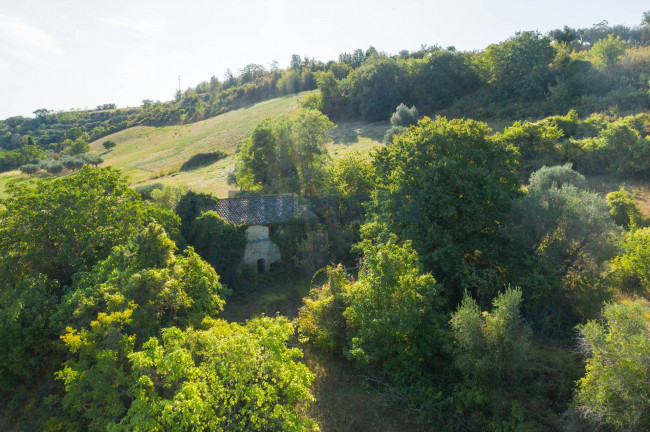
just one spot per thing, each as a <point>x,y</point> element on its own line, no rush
<point>81,53</point>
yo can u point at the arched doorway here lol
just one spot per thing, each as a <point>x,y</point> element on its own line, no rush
<point>261,265</point>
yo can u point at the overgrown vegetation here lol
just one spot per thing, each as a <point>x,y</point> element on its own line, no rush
<point>475,281</point>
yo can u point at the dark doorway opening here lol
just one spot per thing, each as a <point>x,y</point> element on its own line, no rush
<point>261,265</point>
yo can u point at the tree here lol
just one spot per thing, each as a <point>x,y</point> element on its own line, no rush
<point>393,311</point>
<point>320,320</point>
<point>555,177</point>
<point>109,144</point>
<point>491,346</point>
<point>631,268</point>
<point>110,311</point>
<point>226,377</point>
<point>29,168</point>
<point>220,243</point>
<point>60,226</point>
<point>624,209</point>
<point>615,388</point>
<point>519,67</point>
<point>54,167</point>
<point>609,50</point>
<point>447,186</point>
<point>404,116</point>
<point>310,134</point>
<point>560,237</point>
<point>286,154</point>
<point>79,146</point>
<point>400,120</point>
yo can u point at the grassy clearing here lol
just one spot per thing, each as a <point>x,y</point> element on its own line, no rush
<point>155,154</point>
<point>605,184</point>
<point>6,177</point>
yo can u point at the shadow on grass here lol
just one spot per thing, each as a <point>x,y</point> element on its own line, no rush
<point>351,132</point>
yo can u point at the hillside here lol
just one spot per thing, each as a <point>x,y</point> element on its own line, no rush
<point>154,154</point>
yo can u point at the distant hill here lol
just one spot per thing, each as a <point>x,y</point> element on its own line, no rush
<point>150,154</point>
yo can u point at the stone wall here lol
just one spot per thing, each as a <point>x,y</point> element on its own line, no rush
<point>260,247</point>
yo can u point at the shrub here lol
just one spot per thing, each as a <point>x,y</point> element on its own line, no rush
<point>54,167</point>
<point>29,168</point>
<point>615,387</point>
<point>404,116</point>
<point>109,144</point>
<point>320,321</point>
<point>145,190</point>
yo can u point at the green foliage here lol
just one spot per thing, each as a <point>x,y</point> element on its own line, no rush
<point>519,67</point>
<point>145,275</point>
<point>191,206</point>
<point>25,332</point>
<point>79,146</point>
<point>392,132</point>
<point>168,196</point>
<point>111,310</point>
<point>447,186</point>
<point>491,346</point>
<point>615,388</point>
<point>555,177</point>
<point>202,159</point>
<point>566,235</point>
<point>72,163</point>
<point>29,168</point>
<point>624,209</point>
<point>226,377</point>
<point>60,226</point>
<point>404,116</point>
<point>286,154</point>
<point>146,190</point>
<point>536,143</point>
<point>609,50</point>
<point>378,86</point>
<point>320,320</point>
<point>313,101</point>
<point>54,167</point>
<point>394,312</point>
<point>220,243</point>
<point>631,268</point>
<point>109,144</point>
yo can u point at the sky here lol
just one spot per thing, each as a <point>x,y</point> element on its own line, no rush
<point>64,54</point>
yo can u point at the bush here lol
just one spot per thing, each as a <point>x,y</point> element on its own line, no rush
<point>29,168</point>
<point>73,163</point>
<point>404,116</point>
<point>54,167</point>
<point>394,312</point>
<point>202,159</point>
<point>320,321</point>
<point>390,133</point>
<point>145,190</point>
<point>615,387</point>
<point>109,144</point>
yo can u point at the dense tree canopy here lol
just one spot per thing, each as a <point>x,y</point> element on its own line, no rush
<point>447,186</point>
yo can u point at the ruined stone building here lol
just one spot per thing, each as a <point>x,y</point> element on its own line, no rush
<point>261,214</point>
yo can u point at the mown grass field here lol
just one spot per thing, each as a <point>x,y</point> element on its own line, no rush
<point>154,154</point>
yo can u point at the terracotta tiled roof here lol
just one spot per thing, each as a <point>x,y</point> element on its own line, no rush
<point>263,210</point>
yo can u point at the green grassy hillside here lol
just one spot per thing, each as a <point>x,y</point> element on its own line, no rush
<point>154,154</point>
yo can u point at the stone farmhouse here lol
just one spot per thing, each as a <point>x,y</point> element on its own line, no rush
<point>261,214</point>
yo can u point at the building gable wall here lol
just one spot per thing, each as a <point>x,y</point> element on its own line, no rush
<point>259,246</point>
